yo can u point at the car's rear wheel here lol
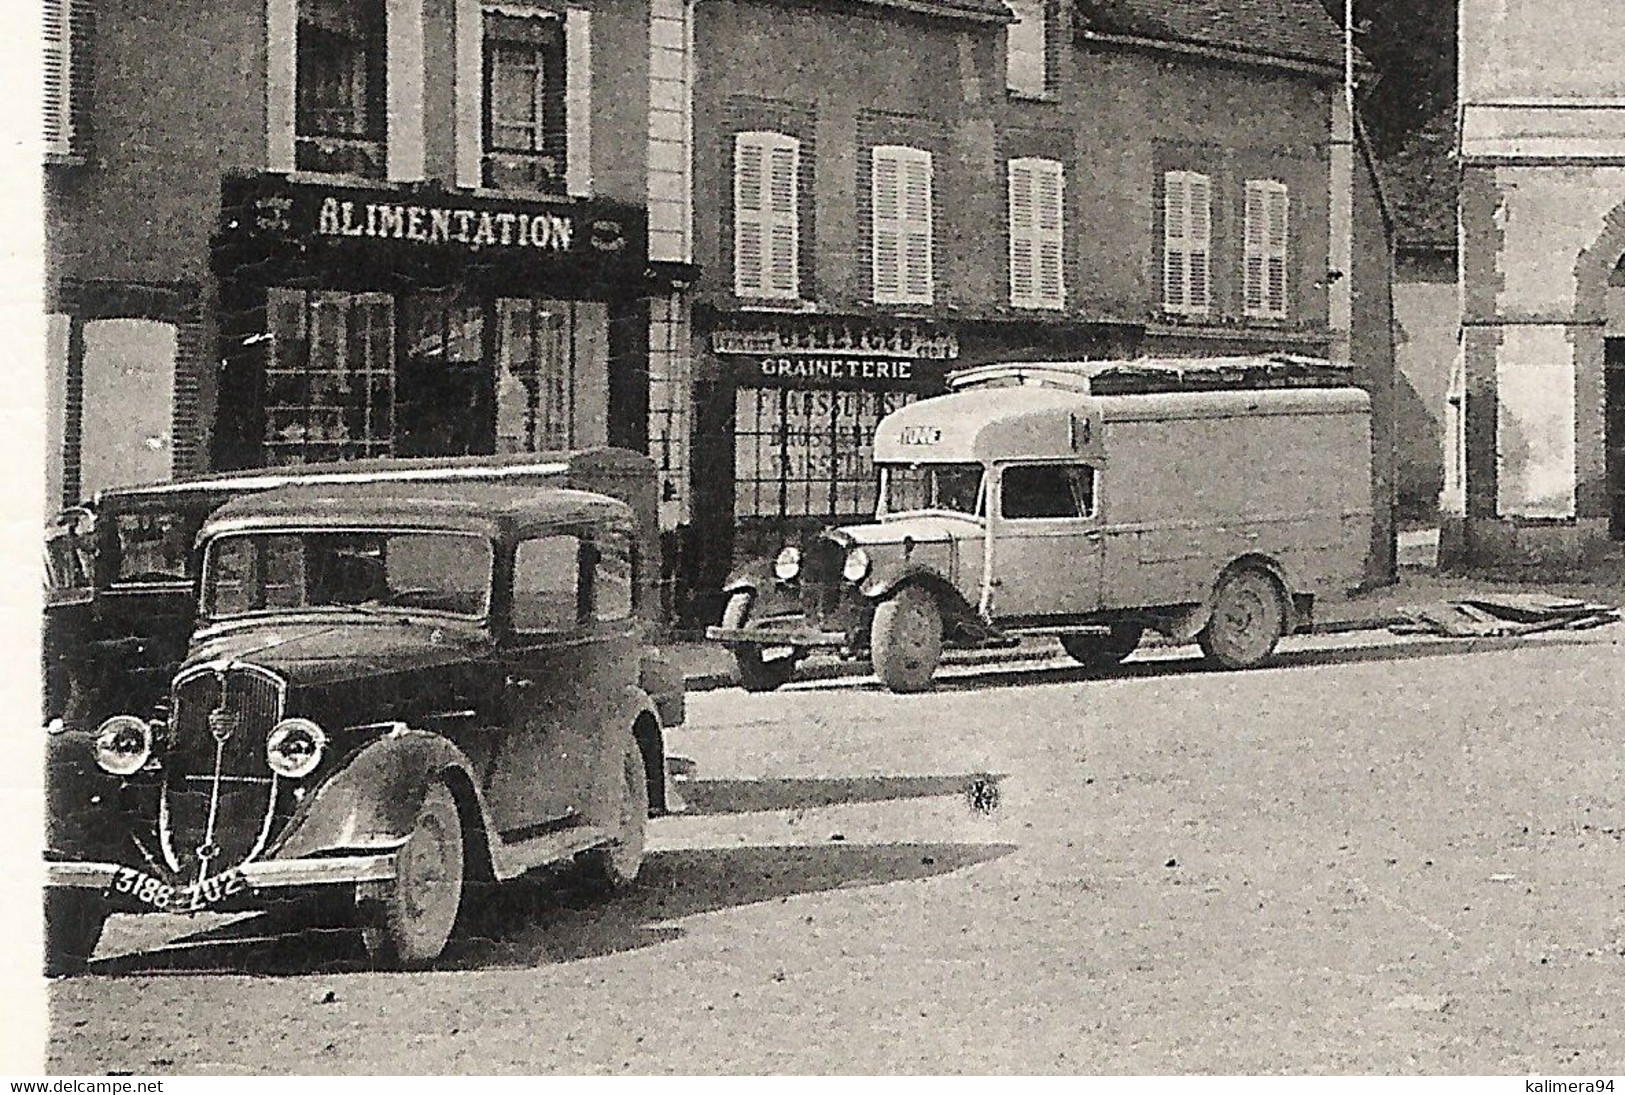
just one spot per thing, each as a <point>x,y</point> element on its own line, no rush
<point>73,926</point>
<point>1249,618</point>
<point>756,673</point>
<point>905,640</point>
<point>615,866</point>
<point>407,920</point>
<point>1103,651</point>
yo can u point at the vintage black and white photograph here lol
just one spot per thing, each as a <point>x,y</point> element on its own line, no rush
<point>826,537</point>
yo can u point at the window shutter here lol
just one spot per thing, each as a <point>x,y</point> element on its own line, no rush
<point>1279,205</point>
<point>1254,259</point>
<point>900,207</point>
<point>1022,258</point>
<point>1050,208</point>
<point>58,78</point>
<point>1174,202</point>
<point>1199,242</point>
<point>750,215</point>
<point>783,243</point>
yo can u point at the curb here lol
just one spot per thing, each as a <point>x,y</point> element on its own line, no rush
<point>824,671</point>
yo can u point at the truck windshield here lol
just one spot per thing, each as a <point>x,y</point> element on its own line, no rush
<point>953,487</point>
<point>443,572</point>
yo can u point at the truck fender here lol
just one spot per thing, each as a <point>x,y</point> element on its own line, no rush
<point>372,801</point>
<point>954,606</point>
<point>750,578</point>
<point>1186,625</point>
<point>635,709</point>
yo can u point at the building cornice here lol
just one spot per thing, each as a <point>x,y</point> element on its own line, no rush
<point>1255,58</point>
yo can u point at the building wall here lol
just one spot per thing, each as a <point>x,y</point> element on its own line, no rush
<point>1520,50</point>
<point>1427,318</point>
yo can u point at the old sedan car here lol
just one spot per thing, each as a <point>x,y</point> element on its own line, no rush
<point>395,690</point>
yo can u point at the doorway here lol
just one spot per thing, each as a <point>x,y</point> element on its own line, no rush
<point>444,390</point>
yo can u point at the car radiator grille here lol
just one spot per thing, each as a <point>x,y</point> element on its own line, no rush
<point>219,794</point>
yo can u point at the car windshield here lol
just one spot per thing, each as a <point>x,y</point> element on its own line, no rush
<point>444,572</point>
<point>953,487</point>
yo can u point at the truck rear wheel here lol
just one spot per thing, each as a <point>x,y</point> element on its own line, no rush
<point>905,640</point>
<point>1103,651</point>
<point>756,674</point>
<point>1249,618</point>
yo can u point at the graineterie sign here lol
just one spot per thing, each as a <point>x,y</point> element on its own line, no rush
<point>844,339</point>
<point>428,222</point>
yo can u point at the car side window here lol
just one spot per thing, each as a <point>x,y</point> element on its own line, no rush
<point>547,584</point>
<point>612,577</point>
<point>1048,491</point>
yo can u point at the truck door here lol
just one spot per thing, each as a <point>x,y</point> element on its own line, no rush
<point>1047,543</point>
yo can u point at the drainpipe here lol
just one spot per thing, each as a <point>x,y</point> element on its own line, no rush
<point>1340,288</point>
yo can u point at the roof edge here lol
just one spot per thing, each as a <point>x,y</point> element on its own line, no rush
<point>1234,54</point>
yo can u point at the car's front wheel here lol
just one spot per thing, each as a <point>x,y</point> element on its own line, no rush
<point>756,672</point>
<point>905,640</point>
<point>407,920</point>
<point>615,866</point>
<point>73,926</point>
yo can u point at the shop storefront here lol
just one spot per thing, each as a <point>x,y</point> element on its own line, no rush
<point>364,321</point>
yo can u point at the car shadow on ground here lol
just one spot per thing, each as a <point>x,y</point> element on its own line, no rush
<point>550,917</point>
<point>750,796</point>
<point>1396,649</point>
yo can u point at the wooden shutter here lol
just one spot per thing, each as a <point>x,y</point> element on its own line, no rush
<point>767,244</point>
<point>1187,231</point>
<point>900,186</point>
<point>58,78</point>
<point>1037,234</point>
<point>1265,245</point>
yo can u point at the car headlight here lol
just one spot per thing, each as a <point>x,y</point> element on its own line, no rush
<point>294,748</point>
<point>788,563</point>
<point>123,745</point>
<point>856,567</point>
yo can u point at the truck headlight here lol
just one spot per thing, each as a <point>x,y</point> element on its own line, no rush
<point>294,748</point>
<point>788,563</point>
<point>857,565</point>
<point>123,745</point>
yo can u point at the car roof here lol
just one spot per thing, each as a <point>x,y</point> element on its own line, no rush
<point>481,507</point>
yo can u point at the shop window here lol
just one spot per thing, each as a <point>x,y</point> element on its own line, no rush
<point>339,87</point>
<point>900,205</point>
<point>1265,249</point>
<point>801,453</point>
<point>1047,491</point>
<point>547,584</point>
<point>1026,57</point>
<point>443,388</point>
<point>1037,233</point>
<point>330,382</point>
<point>1187,229</point>
<point>535,375</point>
<point>767,238</point>
<point>525,123</point>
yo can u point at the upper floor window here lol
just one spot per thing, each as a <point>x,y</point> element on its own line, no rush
<point>63,81</point>
<point>901,244</point>
<point>767,237</point>
<point>1187,240</point>
<point>525,137</point>
<point>1037,232</point>
<point>339,108</point>
<point>1265,249</point>
<point>1026,58</point>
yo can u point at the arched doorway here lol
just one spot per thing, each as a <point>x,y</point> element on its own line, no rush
<point>1613,414</point>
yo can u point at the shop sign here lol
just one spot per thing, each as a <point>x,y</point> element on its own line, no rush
<point>825,371</point>
<point>842,339</point>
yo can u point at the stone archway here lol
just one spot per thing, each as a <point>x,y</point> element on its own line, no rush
<point>1600,351</point>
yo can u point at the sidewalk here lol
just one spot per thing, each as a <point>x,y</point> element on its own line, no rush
<point>708,666</point>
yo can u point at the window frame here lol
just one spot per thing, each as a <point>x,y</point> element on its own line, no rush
<point>548,37</point>
<point>371,140</point>
<point>907,228</point>
<point>1093,471</point>
<point>1179,190</point>
<point>1266,249</point>
<point>767,220</point>
<point>1036,235</point>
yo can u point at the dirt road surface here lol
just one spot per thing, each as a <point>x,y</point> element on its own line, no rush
<point>1382,855</point>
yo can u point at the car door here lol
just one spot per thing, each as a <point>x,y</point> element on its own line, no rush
<point>541,769</point>
<point>1047,541</point>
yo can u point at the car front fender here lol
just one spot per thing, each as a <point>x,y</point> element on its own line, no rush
<point>83,819</point>
<point>371,802</point>
<point>883,583</point>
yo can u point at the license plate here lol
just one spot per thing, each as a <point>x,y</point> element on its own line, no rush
<point>157,894</point>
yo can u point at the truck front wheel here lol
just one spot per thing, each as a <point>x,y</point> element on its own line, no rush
<point>756,673</point>
<point>905,640</point>
<point>1249,618</point>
